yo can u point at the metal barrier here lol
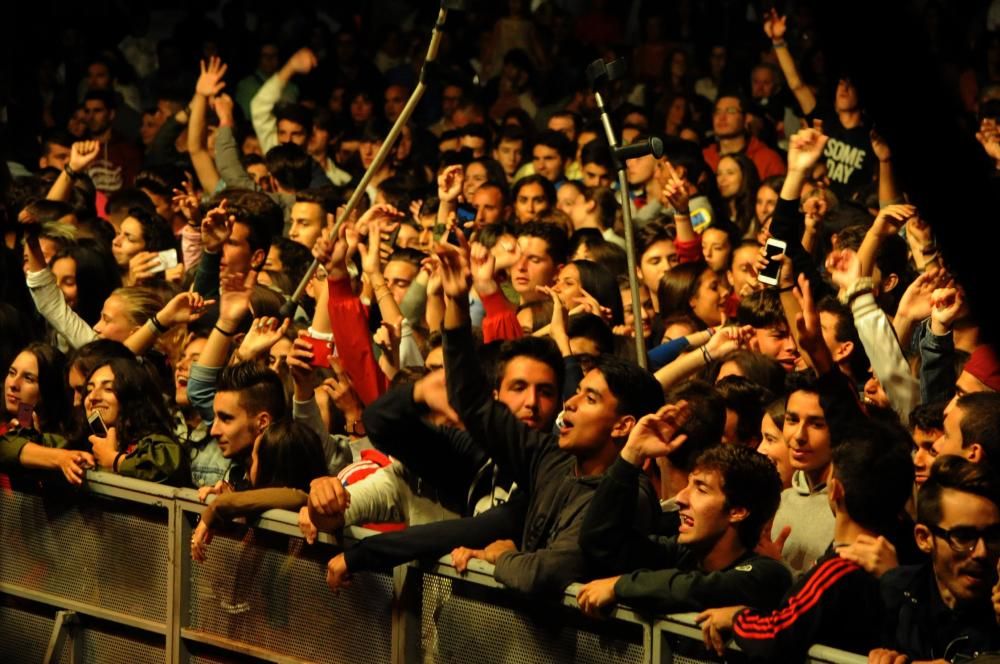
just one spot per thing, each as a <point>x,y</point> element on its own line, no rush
<point>105,575</point>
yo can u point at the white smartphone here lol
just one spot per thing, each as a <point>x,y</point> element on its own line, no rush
<point>769,275</point>
<point>168,260</point>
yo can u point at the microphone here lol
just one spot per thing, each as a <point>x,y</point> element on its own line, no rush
<point>651,145</point>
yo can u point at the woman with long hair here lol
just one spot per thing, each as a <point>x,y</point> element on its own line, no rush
<point>738,183</point>
<point>694,289</point>
<point>125,400</point>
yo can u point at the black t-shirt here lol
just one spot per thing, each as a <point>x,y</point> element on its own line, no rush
<point>850,161</point>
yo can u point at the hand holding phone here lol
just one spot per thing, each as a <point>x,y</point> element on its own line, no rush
<point>25,415</point>
<point>768,275</point>
<point>168,260</point>
<point>97,426</point>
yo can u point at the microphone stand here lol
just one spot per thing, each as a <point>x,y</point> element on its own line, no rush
<point>288,309</point>
<point>600,73</point>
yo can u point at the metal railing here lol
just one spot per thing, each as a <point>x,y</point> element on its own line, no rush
<point>105,575</point>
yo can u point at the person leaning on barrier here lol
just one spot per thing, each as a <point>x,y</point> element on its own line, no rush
<point>558,472</point>
<point>139,442</point>
<point>942,608</point>
<point>837,603</point>
<point>732,494</point>
<point>284,460</point>
<point>33,387</point>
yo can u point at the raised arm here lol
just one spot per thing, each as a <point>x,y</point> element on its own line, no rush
<point>227,152</point>
<point>262,105</point>
<point>182,309</point>
<point>774,28</point>
<point>81,155</point>
<point>209,85</point>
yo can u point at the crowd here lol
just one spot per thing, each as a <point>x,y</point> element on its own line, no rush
<point>811,456</point>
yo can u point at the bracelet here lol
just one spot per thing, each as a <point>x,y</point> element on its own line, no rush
<point>73,175</point>
<point>224,333</point>
<point>781,43</point>
<point>705,354</point>
<point>114,465</point>
<point>157,325</point>
<point>786,289</point>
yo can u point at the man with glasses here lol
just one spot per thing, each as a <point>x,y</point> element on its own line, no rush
<point>729,122</point>
<point>942,609</point>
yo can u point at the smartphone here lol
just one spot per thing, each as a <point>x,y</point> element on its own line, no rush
<point>97,424</point>
<point>168,260</point>
<point>769,275</point>
<point>321,351</point>
<point>24,415</point>
<point>466,212</point>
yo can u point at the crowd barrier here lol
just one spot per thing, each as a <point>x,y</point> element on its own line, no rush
<point>105,575</point>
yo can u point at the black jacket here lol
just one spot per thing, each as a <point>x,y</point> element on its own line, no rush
<point>920,625</point>
<point>549,558</point>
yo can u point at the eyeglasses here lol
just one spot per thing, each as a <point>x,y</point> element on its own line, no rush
<point>964,539</point>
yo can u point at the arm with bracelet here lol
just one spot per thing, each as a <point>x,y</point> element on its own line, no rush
<point>725,340</point>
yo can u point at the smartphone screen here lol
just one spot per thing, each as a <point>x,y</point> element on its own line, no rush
<point>769,275</point>
<point>24,415</point>
<point>97,424</point>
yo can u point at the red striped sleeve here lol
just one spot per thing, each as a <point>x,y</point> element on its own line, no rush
<point>749,625</point>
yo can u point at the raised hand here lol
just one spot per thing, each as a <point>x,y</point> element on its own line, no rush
<point>186,202</point>
<point>456,275</point>
<point>916,302</point>
<point>210,81</point>
<point>989,137</point>
<point>387,338</point>
<point>371,254</point>
<point>483,266</point>
<point>774,25</point>
<point>656,435</point>
<point>82,154</point>
<point>302,62</point>
<point>558,324</point>
<point>810,333</point>
<point>507,253</point>
<point>432,391</point>
<point>339,389</point>
<point>216,227</point>
<point>892,218</point>
<point>844,267</point>
<point>222,104</point>
<point>804,149</point>
<point>674,192</point>
<point>234,297</point>
<point>450,182</point>
<point>772,548</point>
<point>183,308</point>
<point>946,305</point>
<point>880,147</point>
<point>264,332</point>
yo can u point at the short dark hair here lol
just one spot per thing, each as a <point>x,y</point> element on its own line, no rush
<point>290,165</point>
<point>127,198</point>
<point>593,327</point>
<point>557,141</point>
<point>876,470</point>
<point>555,238</point>
<point>258,212</point>
<point>295,258</point>
<point>260,389</point>
<point>296,113</point>
<point>289,454</point>
<point>705,425</point>
<point>759,369</point>
<point>542,349</point>
<point>637,391</point>
<point>107,97</point>
<point>928,416</point>
<point>409,255</point>
<point>844,331</point>
<point>747,400</point>
<point>327,197</point>
<point>762,309</point>
<point>478,130</point>
<point>654,232</point>
<point>980,423</point>
<point>749,480</point>
<point>801,381</point>
<point>958,474</point>
<point>56,137</point>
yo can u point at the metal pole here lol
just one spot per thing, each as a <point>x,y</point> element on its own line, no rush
<point>380,157</point>
<point>633,278</point>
